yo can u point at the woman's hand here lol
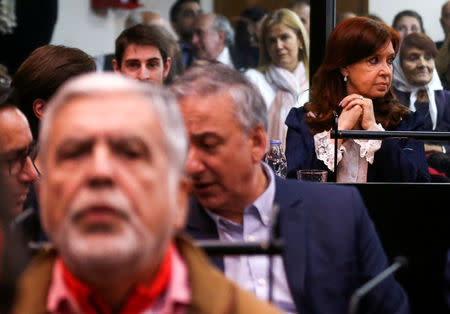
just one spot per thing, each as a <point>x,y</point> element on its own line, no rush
<point>367,116</point>
<point>350,116</point>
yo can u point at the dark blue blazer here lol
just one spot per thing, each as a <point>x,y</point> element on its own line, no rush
<point>331,248</point>
<point>398,160</point>
<point>442,99</point>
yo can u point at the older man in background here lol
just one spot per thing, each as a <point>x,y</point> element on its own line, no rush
<point>182,17</point>
<point>213,39</point>
<point>114,198</point>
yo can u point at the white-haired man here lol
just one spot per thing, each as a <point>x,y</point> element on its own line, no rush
<point>213,39</point>
<point>113,199</point>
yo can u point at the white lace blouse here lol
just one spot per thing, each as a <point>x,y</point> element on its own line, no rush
<point>354,155</point>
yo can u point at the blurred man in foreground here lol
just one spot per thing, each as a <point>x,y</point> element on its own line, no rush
<point>113,198</point>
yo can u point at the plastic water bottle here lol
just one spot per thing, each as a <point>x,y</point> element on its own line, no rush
<point>276,159</point>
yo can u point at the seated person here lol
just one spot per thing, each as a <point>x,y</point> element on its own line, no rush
<point>36,80</point>
<point>283,73</point>
<point>143,53</point>
<point>106,209</point>
<point>330,244</point>
<point>417,85</point>
<point>354,81</point>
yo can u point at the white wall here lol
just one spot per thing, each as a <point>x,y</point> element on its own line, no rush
<point>430,10</point>
<point>78,26</point>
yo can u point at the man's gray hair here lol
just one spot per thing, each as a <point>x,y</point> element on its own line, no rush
<point>221,23</point>
<point>160,99</point>
<point>210,79</point>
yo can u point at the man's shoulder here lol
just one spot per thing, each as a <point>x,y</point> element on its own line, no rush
<point>34,284</point>
<point>302,188</point>
<point>226,297</point>
<point>319,201</point>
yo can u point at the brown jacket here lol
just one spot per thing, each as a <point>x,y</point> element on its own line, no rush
<point>211,291</point>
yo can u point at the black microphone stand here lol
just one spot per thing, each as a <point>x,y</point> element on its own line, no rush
<point>400,261</point>
<point>335,128</point>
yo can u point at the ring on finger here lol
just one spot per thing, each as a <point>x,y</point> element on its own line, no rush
<point>361,97</point>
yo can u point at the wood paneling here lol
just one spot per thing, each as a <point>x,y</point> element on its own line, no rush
<point>232,9</point>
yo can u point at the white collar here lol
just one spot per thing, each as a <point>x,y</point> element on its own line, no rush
<point>225,57</point>
<point>400,82</point>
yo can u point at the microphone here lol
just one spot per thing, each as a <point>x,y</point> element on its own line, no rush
<point>273,235</point>
<point>399,262</point>
<point>335,128</point>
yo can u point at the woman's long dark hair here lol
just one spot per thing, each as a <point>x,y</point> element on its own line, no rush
<point>351,41</point>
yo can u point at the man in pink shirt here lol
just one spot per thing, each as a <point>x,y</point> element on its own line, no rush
<point>114,198</point>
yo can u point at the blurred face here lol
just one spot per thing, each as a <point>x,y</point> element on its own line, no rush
<point>372,76</point>
<point>143,63</point>
<point>418,66</point>
<point>105,196</point>
<point>445,18</point>
<point>206,41</point>
<point>303,12</point>
<point>221,159</point>
<point>283,45</point>
<point>16,168</point>
<point>185,19</point>
<point>407,25</point>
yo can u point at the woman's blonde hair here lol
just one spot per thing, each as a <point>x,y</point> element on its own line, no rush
<point>291,20</point>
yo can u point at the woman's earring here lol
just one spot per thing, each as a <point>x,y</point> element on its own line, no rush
<point>345,78</point>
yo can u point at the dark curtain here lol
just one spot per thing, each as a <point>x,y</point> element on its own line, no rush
<point>36,20</point>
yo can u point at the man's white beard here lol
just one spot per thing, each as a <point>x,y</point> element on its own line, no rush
<point>102,251</point>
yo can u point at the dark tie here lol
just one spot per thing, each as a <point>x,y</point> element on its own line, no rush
<point>424,109</point>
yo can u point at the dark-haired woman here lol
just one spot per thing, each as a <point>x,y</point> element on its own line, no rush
<point>354,80</point>
<point>417,85</point>
<point>407,22</point>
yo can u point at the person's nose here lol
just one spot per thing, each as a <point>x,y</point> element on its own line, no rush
<point>194,164</point>
<point>386,68</point>
<point>195,39</point>
<point>279,44</point>
<point>144,73</point>
<point>421,62</point>
<point>101,166</point>
<point>29,173</point>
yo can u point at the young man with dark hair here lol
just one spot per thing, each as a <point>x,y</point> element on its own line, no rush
<point>143,53</point>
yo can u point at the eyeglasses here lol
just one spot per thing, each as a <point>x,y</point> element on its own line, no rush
<point>18,160</point>
<point>188,13</point>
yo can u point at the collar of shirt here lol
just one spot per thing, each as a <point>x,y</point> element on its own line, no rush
<point>259,212</point>
<point>225,57</point>
<point>169,293</point>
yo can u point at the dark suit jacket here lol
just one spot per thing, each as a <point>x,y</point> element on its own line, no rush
<point>442,98</point>
<point>331,248</point>
<point>398,160</point>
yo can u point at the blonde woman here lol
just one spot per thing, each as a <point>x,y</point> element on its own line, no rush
<point>282,75</point>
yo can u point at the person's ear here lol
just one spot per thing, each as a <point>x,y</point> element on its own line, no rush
<point>38,107</point>
<point>344,71</point>
<point>221,35</point>
<point>257,139</point>
<point>167,67</point>
<point>181,204</point>
<point>116,66</point>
